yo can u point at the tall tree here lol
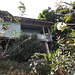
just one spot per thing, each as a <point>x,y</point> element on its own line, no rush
<point>48,15</point>
<point>67,14</point>
<point>5,13</point>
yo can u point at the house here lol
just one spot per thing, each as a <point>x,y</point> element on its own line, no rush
<point>11,28</point>
<point>39,27</point>
<point>27,25</point>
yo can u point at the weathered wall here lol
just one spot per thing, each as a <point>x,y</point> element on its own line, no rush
<point>12,31</point>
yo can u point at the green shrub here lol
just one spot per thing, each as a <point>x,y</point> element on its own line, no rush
<point>23,48</point>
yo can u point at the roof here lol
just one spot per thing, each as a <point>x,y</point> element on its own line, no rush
<point>35,22</point>
<point>27,21</point>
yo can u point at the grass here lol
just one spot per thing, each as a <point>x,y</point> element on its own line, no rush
<point>8,67</point>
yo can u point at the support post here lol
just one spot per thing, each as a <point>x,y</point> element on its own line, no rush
<point>46,43</point>
<point>48,30</point>
<point>47,48</point>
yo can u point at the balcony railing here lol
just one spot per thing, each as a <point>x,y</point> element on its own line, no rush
<point>46,37</point>
<point>42,37</point>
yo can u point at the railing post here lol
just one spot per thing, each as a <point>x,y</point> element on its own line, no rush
<point>44,33</point>
<point>50,35</point>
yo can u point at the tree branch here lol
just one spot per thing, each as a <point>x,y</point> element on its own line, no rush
<point>69,4</point>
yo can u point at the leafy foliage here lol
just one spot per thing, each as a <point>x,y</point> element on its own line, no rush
<point>63,60</point>
<point>5,13</point>
<point>37,64</point>
<point>48,15</point>
<point>24,47</point>
<point>67,14</point>
<point>56,33</point>
<point>60,63</point>
<point>22,8</point>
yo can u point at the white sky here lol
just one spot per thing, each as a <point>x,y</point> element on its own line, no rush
<point>33,7</point>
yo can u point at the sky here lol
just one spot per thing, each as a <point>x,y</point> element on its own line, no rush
<point>33,7</point>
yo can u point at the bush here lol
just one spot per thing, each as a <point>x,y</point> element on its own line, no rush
<point>23,48</point>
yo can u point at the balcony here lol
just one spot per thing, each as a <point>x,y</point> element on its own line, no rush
<point>46,37</point>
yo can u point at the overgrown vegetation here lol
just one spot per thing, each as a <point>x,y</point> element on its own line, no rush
<point>8,67</point>
<point>60,62</point>
<point>5,13</point>
<point>24,47</point>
